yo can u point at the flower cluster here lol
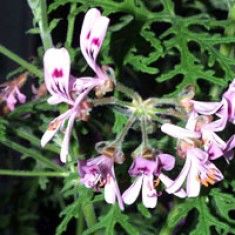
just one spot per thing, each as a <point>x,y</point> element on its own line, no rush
<point>73,91</point>
<point>10,93</point>
<point>198,142</point>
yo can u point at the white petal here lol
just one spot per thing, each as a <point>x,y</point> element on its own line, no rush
<point>193,184</point>
<point>50,132</point>
<point>65,144</point>
<point>131,194</point>
<point>110,191</point>
<point>192,120</point>
<point>57,60</point>
<point>48,135</point>
<point>98,32</point>
<point>54,99</point>
<point>177,184</point>
<point>149,194</point>
<point>179,132</point>
<point>167,182</point>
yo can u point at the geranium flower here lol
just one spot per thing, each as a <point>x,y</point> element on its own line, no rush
<point>59,84</point>
<point>224,109</point>
<point>10,92</point>
<point>198,168</point>
<point>63,87</point>
<point>146,173</point>
<point>98,173</point>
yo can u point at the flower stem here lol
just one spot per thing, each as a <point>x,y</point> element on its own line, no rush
<point>43,25</point>
<point>71,21</point>
<point>89,214</point>
<point>110,100</point>
<point>143,125</point>
<point>120,138</point>
<point>36,141</point>
<point>33,154</point>
<point>127,91</point>
<point>29,67</point>
<point>32,173</point>
<point>163,101</point>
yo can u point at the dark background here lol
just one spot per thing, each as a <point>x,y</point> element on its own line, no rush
<point>15,20</point>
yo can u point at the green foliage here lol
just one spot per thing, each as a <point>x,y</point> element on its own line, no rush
<point>156,47</point>
<point>108,222</point>
<point>212,212</point>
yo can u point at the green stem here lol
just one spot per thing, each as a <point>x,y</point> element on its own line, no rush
<point>168,227</point>
<point>33,154</point>
<point>80,223</point>
<point>71,21</point>
<point>35,141</point>
<point>143,125</point>
<point>127,91</point>
<point>227,49</point>
<point>43,25</point>
<point>111,101</point>
<point>163,101</point>
<point>169,112</point>
<point>29,67</point>
<point>89,214</point>
<point>120,138</point>
<point>32,173</point>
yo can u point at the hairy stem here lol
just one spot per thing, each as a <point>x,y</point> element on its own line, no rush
<point>43,25</point>
<point>89,214</point>
<point>32,173</point>
<point>33,154</point>
<point>120,138</point>
<point>71,21</point>
<point>127,91</point>
<point>143,125</point>
<point>111,101</point>
<point>29,67</point>
<point>36,141</point>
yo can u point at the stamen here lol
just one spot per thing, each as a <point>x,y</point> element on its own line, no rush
<point>156,182</point>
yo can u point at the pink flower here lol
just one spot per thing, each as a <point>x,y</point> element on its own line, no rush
<point>10,92</point>
<point>197,170</point>
<point>97,173</point>
<point>223,110</point>
<point>198,153</point>
<point>63,87</point>
<point>59,84</point>
<point>146,172</point>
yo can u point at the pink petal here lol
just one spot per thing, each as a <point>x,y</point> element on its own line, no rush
<point>167,161</point>
<point>223,115</point>
<point>149,194</point>
<point>179,132</point>
<point>11,101</point>
<point>57,70</point>
<point>20,96</point>
<point>131,194</point>
<point>92,35</point>
<point>206,108</point>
